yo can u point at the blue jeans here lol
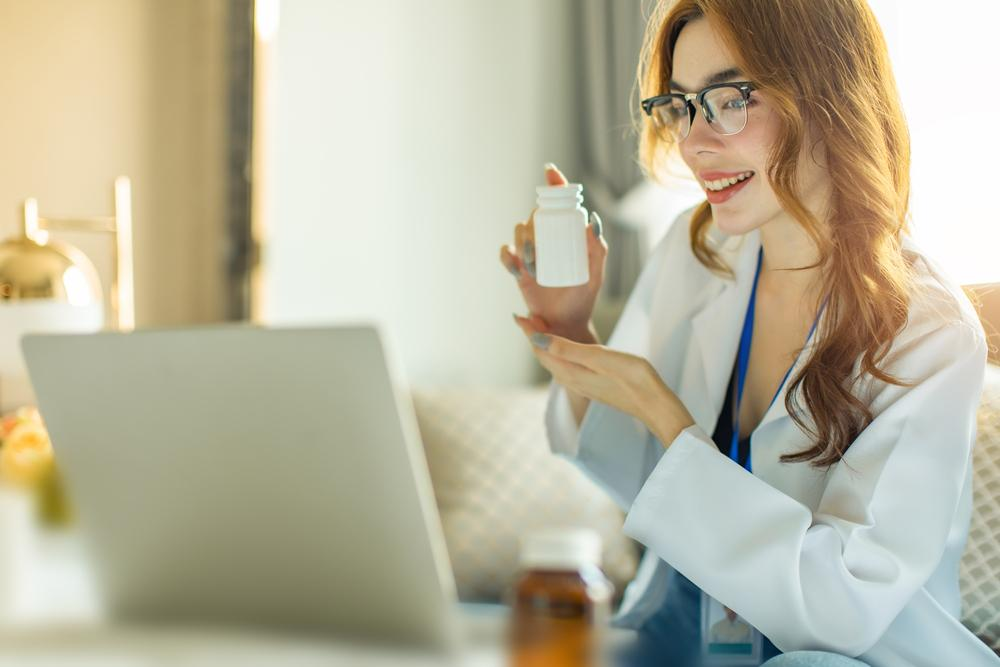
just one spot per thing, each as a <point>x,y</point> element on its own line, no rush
<point>671,637</point>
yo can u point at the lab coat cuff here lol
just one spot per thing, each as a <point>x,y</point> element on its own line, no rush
<point>562,430</point>
<point>685,457</point>
<point>696,432</point>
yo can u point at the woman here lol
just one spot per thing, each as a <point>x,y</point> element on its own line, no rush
<point>790,317</point>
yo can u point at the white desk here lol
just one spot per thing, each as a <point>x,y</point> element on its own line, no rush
<point>59,625</point>
<point>82,646</point>
<point>58,622</point>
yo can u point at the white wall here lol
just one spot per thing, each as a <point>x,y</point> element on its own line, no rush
<point>93,89</point>
<point>944,63</point>
<point>406,140</point>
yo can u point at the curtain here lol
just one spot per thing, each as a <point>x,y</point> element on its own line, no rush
<point>610,36</point>
<point>635,212</point>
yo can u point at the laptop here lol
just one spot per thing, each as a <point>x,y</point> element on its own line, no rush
<point>236,474</point>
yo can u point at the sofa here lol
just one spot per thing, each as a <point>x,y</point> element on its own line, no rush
<point>495,479</point>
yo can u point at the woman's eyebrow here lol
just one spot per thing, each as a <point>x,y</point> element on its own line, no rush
<point>718,77</point>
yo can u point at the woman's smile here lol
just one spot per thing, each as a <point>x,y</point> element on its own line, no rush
<point>721,187</point>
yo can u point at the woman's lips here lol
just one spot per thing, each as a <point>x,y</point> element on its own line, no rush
<point>724,195</point>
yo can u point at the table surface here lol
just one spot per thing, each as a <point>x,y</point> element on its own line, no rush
<point>75,645</point>
<point>57,621</point>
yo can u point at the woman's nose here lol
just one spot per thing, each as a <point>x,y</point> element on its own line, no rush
<point>701,136</point>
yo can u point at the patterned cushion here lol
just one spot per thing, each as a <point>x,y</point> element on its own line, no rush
<point>980,567</point>
<point>495,478</point>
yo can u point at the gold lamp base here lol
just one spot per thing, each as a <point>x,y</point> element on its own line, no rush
<point>48,286</point>
<point>50,271</point>
<point>34,267</point>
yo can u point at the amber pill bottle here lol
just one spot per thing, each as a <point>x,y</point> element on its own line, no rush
<point>560,603</point>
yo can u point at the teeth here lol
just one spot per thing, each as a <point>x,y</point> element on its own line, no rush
<point>723,183</point>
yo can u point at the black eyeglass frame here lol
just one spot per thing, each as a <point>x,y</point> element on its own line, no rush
<point>745,88</point>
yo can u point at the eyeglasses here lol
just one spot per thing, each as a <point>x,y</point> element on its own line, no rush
<point>723,104</point>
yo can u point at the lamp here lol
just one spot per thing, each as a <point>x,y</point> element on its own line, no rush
<point>52,287</point>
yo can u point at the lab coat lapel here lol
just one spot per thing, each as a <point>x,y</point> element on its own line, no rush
<point>716,333</point>
<point>776,435</point>
<point>777,410</point>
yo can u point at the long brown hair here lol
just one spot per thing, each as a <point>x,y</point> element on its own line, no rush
<point>823,64</point>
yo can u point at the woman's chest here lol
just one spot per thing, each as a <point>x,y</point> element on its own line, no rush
<point>780,330</point>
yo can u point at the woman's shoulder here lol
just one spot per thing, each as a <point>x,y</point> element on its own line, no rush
<point>936,300</point>
<point>942,338</point>
<point>942,329</point>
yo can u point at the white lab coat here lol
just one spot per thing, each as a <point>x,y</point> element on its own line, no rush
<point>861,559</point>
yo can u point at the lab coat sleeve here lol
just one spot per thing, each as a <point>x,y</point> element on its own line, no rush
<point>612,448</point>
<point>833,579</point>
<point>615,449</point>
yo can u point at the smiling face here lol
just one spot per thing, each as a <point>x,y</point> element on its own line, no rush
<point>700,58</point>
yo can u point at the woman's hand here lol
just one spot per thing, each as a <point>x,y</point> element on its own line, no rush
<point>623,381</point>
<point>562,310</point>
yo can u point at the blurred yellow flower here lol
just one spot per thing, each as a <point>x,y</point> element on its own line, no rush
<point>7,425</point>
<point>29,413</point>
<point>25,414</point>
<point>26,454</point>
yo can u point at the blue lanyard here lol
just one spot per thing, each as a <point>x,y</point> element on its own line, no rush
<point>743,360</point>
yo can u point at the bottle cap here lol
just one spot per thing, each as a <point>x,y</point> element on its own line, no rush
<point>559,195</point>
<point>561,549</point>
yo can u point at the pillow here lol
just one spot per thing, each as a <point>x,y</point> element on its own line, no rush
<point>495,479</point>
<point>980,566</point>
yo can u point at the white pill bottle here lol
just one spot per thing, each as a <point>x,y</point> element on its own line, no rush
<point>561,236</point>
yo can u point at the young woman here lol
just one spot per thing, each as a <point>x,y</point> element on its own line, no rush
<point>786,407</point>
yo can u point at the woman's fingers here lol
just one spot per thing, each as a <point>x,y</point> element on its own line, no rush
<point>526,245</point>
<point>511,262</point>
<point>532,323</point>
<point>559,368</point>
<point>520,229</point>
<point>596,228</point>
<point>597,247</point>
<point>553,176</point>
<point>539,323</point>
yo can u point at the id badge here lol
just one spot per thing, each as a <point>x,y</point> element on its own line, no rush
<point>727,639</point>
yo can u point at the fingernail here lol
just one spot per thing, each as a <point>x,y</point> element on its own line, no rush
<point>516,272</point>
<point>541,340</point>
<point>549,166</point>
<point>595,221</point>
<point>514,315</point>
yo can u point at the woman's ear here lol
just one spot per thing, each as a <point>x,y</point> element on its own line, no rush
<point>817,147</point>
<point>817,153</point>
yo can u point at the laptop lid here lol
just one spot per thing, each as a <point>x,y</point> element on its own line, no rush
<point>241,474</point>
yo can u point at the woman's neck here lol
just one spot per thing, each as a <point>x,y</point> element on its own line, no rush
<point>791,259</point>
<point>787,245</point>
